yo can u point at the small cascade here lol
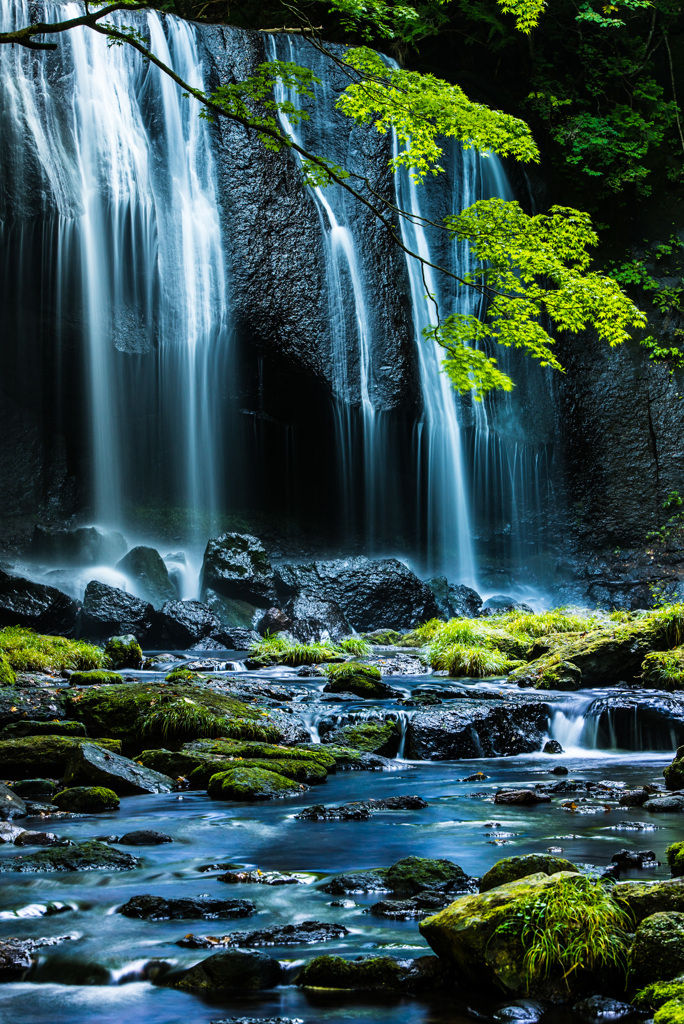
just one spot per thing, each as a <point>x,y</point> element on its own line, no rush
<point>617,721</point>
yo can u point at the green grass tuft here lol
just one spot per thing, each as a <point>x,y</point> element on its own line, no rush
<point>473,662</point>
<point>27,651</point>
<point>355,645</point>
<point>180,719</point>
<point>278,650</point>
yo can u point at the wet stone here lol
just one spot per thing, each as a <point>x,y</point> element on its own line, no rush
<point>520,797</point>
<point>28,838</point>
<point>145,837</point>
<point>361,810</point>
<point>634,858</point>
<point>597,1009</point>
<point>286,935</point>
<point>264,878</point>
<point>158,908</point>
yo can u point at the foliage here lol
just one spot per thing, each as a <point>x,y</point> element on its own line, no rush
<point>570,926</point>
<point>474,662</point>
<point>559,620</point>
<point>355,645</point>
<point>27,651</point>
<point>351,669</point>
<point>179,719</point>
<point>669,621</point>
<point>535,270</point>
<point>280,650</point>
<point>664,669</point>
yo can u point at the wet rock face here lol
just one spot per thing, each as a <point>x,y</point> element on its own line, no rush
<point>511,868</point>
<point>466,728</point>
<point>236,566</point>
<point>90,856</point>
<point>372,593</point>
<point>182,624</point>
<point>45,609</point>
<point>234,969</point>
<point>455,601</point>
<point>146,566</point>
<point>283,935</point>
<point>107,611</point>
<point>11,805</point>
<point>90,765</point>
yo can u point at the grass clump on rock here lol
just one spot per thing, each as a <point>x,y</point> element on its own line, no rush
<point>280,650</point>
<point>572,926</point>
<point>354,677</point>
<point>124,652</point>
<point>671,1012</point>
<point>95,677</point>
<point>655,995</point>
<point>7,675</point>
<point>177,719</point>
<point>27,651</point>
<point>675,859</point>
<point>356,646</point>
<point>664,670</point>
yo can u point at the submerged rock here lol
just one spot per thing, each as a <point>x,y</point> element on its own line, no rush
<point>108,611</point>
<point>181,908</point>
<point>382,974</point>
<point>284,935</point>
<point>45,609</point>
<point>234,969</point>
<point>145,837</point>
<point>361,810</point>
<point>89,856</point>
<point>90,765</point>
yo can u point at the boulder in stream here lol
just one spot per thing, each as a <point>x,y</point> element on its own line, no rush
<point>657,953</point>
<point>11,804</point>
<point>469,728</point>
<point>510,869</point>
<point>86,800</point>
<point>90,765</point>
<point>241,969</point>
<point>376,737</point>
<point>407,877</point>
<point>124,652</point>
<point>236,566</point>
<point>88,856</point>
<point>108,611</point>
<point>184,908</point>
<point>17,956</point>
<point>24,757</point>
<point>454,601</point>
<point>674,773</point>
<point>280,935</point>
<point>251,783</point>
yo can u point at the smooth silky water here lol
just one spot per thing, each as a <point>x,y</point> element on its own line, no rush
<point>101,973</point>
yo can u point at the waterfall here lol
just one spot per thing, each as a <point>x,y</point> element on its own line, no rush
<point>132,256</point>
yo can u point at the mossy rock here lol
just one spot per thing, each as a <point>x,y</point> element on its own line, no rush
<point>86,799</point>
<point>300,771</point>
<point>247,783</point>
<point>674,773</point>
<point>383,637</point>
<point>657,993</point>
<point>28,756</point>
<point>7,674</point>
<point>124,652</point>
<point>480,937</point>
<point>657,953</point>
<point>248,749</point>
<point>353,677</point>
<point>28,727</point>
<point>509,869</point>
<point>28,651</point>
<point>244,970</point>
<point>675,859</point>
<point>89,856</point>
<point>183,675</point>
<point>664,670</point>
<point>373,737</point>
<point>603,655</point>
<point>412,875</point>
<point>119,710</point>
<point>35,789</point>
<point>95,677</point>
<point>374,973</point>
<point>353,759</point>
<point>671,1012</point>
<point>645,898</point>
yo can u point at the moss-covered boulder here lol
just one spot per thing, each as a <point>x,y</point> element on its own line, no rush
<point>248,783</point>
<point>198,761</point>
<point>124,652</point>
<point>481,936</point>
<point>7,675</point>
<point>86,799</point>
<point>509,869</point>
<point>123,711</point>
<point>95,677</point>
<point>89,856</point>
<point>90,765</point>
<point>645,898</point>
<point>30,727</point>
<point>353,759</point>
<point>363,680</point>
<point>675,859</point>
<point>657,953</point>
<point>35,789</point>
<point>664,670</point>
<point>674,773</point>
<point>407,877</point>
<point>601,656</point>
<point>246,748</point>
<point>307,772</point>
<point>383,637</point>
<point>671,1012</point>
<point>654,995</point>
<point>28,756</point>
<point>374,737</point>
<point>246,970</point>
<point>380,973</point>
<point>28,651</point>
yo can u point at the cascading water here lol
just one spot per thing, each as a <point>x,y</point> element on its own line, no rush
<point>121,181</point>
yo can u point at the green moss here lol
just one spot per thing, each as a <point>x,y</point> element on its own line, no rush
<point>374,737</point>
<point>27,651</point>
<point>383,637</point>
<point>183,675</point>
<point>675,859</point>
<point>509,869</point>
<point>412,875</point>
<point>94,677</point>
<point>124,652</point>
<point>7,676</point>
<point>549,673</point>
<point>674,773</point>
<point>354,677</point>
<point>300,771</point>
<point>671,1012</point>
<point>33,755</point>
<point>657,953</point>
<point>664,670</point>
<point>248,783</point>
<point>254,749</point>
<point>86,799</point>
<point>380,972</point>
<point>88,856</point>
<point>471,662</point>
<point>119,710</point>
<point>534,625</point>
<point>278,650</point>
<point>349,758</point>
<point>657,993</point>
<point>27,727</point>
<point>198,762</point>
